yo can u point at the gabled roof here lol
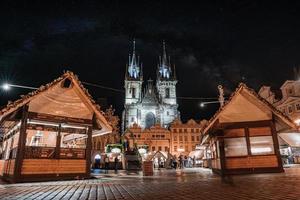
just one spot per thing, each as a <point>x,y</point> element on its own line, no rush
<point>13,106</point>
<point>243,88</point>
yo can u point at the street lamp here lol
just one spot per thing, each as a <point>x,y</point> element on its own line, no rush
<point>7,86</point>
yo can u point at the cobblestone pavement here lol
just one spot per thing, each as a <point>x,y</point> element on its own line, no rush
<point>165,184</point>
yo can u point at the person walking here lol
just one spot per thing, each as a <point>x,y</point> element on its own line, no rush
<point>106,160</point>
<point>116,163</point>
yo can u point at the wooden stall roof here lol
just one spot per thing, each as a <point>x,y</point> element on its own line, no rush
<point>258,102</point>
<point>84,94</point>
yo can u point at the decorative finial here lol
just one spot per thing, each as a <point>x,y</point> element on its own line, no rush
<point>221,95</point>
<point>133,45</point>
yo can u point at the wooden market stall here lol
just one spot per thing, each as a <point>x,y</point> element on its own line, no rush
<point>242,137</point>
<point>47,134</point>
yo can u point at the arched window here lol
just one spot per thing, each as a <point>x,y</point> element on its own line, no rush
<point>150,119</point>
<point>167,92</point>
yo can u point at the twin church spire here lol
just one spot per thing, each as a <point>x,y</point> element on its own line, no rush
<point>135,68</point>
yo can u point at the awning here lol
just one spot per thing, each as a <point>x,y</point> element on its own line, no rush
<point>198,154</point>
<point>292,139</point>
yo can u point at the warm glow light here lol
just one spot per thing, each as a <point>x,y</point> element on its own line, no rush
<point>142,151</point>
<point>202,105</point>
<point>261,150</point>
<point>180,150</point>
<point>297,121</point>
<point>116,150</point>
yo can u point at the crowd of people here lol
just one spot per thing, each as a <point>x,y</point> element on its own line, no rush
<point>182,162</point>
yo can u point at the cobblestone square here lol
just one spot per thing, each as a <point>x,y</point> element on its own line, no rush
<point>165,184</point>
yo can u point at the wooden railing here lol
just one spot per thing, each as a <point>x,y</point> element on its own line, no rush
<point>49,153</point>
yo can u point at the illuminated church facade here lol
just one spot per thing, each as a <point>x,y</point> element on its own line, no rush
<point>150,103</point>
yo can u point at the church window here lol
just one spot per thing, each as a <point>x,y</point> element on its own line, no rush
<point>133,92</point>
<point>150,120</point>
<point>167,92</point>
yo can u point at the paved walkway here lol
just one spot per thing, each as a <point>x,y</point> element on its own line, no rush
<point>165,184</point>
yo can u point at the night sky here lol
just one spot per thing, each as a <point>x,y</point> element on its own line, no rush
<point>211,43</point>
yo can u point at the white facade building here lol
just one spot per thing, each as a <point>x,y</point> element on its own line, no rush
<point>150,104</point>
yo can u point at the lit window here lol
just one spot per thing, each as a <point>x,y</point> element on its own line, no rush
<point>261,145</point>
<point>235,147</point>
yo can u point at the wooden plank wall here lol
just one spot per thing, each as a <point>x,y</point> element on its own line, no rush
<point>2,167</point>
<point>9,166</point>
<point>252,162</point>
<point>53,166</point>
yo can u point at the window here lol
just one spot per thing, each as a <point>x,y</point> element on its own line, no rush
<point>153,148</point>
<point>167,92</point>
<point>290,109</point>
<point>175,138</point>
<point>132,119</point>
<point>153,136</point>
<point>261,145</point>
<point>235,147</point>
<point>192,130</point>
<point>159,148</point>
<point>166,149</point>
<point>198,138</point>
<point>298,106</point>
<point>185,138</point>
<point>193,138</point>
<point>180,138</point>
<point>180,130</point>
<point>197,130</point>
<point>67,83</point>
<point>186,148</point>
<point>168,113</point>
<point>133,92</point>
<point>185,130</point>
<point>175,148</point>
<point>175,130</point>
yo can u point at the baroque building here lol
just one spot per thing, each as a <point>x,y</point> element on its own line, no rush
<point>147,104</point>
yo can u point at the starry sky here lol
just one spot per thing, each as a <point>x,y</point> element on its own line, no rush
<point>211,43</point>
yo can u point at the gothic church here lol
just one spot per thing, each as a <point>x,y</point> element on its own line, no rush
<point>147,104</point>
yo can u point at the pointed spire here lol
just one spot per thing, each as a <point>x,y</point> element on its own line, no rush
<point>133,66</point>
<point>174,73</point>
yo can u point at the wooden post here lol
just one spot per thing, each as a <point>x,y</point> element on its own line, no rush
<point>222,155</point>
<point>276,144</point>
<point>247,136</point>
<point>21,145</point>
<point>58,141</point>
<point>88,150</point>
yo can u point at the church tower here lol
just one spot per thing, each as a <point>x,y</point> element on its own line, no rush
<point>166,86</point>
<point>133,79</point>
<point>166,79</point>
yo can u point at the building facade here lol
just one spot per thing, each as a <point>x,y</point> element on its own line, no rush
<point>289,104</point>
<point>153,102</point>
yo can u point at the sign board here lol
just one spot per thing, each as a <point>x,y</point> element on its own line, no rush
<point>148,168</point>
